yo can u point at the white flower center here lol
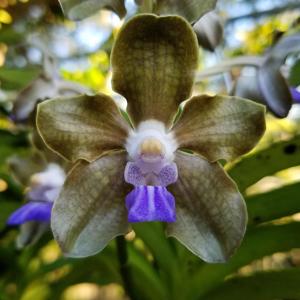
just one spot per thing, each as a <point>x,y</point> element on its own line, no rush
<point>151,142</point>
<point>151,153</point>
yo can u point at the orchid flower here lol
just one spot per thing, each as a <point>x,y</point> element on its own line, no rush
<point>34,216</point>
<point>47,85</point>
<point>142,173</point>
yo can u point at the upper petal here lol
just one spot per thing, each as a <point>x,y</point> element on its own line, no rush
<point>211,213</point>
<point>153,61</point>
<point>220,127</point>
<point>81,127</point>
<point>90,210</point>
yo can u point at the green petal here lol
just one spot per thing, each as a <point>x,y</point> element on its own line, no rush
<point>30,233</point>
<point>23,167</point>
<point>39,89</point>
<point>211,213</point>
<point>90,210</point>
<point>190,9</point>
<point>220,127</point>
<point>154,61</point>
<point>80,9</point>
<point>81,127</point>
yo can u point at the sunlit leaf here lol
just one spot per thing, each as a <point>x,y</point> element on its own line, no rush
<point>259,242</point>
<point>278,156</point>
<point>275,204</point>
<point>282,284</point>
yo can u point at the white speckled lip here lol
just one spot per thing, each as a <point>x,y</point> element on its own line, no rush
<point>151,129</point>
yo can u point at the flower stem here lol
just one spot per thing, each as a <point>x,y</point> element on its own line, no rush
<point>124,267</point>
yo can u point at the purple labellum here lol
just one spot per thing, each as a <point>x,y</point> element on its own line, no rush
<point>133,174</point>
<point>295,95</point>
<point>39,211</point>
<point>168,174</point>
<point>150,203</point>
<point>136,175</point>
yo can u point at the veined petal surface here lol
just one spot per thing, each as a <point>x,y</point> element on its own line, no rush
<point>81,127</point>
<point>90,210</point>
<point>211,213</point>
<point>154,61</point>
<point>220,127</point>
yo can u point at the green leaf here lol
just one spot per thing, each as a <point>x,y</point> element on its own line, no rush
<point>273,205</point>
<point>294,76</point>
<point>277,157</point>
<point>154,237</point>
<point>10,37</point>
<point>261,286</point>
<point>16,79</point>
<point>163,253</point>
<point>259,242</point>
<point>145,278</point>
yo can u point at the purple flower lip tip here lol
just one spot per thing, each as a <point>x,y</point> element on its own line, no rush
<point>32,211</point>
<point>150,204</point>
<point>16,119</point>
<point>295,95</point>
<point>12,117</point>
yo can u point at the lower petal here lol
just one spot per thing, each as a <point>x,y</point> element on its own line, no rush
<point>150,203</point>
<point>90,211</point>
<point>31,211</point>
<point>211,213</point>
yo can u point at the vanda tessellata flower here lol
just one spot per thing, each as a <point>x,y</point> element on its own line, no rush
<point>34,216</point>
<point>144,172</point>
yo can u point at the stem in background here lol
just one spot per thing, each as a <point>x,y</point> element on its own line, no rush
<point>227,76</point>
<point>124,267</point>
<point>227,65</point>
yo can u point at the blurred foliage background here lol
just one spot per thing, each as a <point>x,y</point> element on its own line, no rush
<point>249,48</point>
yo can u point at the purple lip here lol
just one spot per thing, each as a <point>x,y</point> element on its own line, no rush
<point>39,211</point>
<point>150,203</point>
